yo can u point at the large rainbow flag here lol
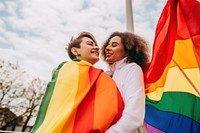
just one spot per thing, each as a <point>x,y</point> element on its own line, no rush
<point>79,99</point>
<point>173,77</point>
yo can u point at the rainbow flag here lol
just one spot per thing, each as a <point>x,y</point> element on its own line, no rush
<point>79,99</point>
<point>173,77</point>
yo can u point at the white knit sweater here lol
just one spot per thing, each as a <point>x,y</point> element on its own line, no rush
<point>129,79</point>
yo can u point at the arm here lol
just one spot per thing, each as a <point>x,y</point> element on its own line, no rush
<point>134,99</point>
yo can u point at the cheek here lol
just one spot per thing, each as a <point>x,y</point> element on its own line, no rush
<point>86,50</point>
<point>119,56</point>
<point>120,53</point>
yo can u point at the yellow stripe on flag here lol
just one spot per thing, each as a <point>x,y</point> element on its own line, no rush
<point>173,78</point>
<point>58,111</point>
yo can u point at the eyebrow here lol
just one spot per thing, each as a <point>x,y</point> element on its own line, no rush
<point>113,43</point>
<point>92,42</point>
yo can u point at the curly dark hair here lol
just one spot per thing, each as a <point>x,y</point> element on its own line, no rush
<point>75,42</point>
<point>135,46</point>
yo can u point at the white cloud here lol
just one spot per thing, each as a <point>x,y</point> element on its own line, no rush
<point>1,7</point>
<point>34,32</point>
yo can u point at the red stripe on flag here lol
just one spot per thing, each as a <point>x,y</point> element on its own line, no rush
<point>85,113</point>
<point>164,41</point>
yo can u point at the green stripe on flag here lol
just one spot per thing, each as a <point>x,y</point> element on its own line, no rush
<point>46,99</point>
<point>178,102</point>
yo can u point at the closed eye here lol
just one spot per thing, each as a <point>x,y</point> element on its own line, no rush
<point>91,43</point>
<point>113,44</point>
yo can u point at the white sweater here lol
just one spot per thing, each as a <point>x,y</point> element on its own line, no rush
<point>129,79</point>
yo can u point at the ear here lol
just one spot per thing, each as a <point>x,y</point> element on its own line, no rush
<point>74,50</point>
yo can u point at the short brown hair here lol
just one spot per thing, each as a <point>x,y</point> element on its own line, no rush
<point>135,46</point>
<point>75,42</point>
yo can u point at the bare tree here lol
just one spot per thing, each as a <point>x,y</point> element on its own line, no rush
<point>19,93</point>
<point>10,79</point>
<point>33,96</point>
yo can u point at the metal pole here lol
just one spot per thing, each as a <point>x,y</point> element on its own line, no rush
<point>129,16</point>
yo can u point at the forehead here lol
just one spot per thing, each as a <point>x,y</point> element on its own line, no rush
<point>115,39</point>
<point>86,39</point>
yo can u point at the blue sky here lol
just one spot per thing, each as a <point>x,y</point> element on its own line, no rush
<point>33,33</point>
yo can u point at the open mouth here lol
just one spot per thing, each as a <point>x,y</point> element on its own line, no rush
<point>95,52</point>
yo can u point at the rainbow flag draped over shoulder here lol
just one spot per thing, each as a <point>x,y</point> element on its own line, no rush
<point>173,77</point>
<point>79,99</point>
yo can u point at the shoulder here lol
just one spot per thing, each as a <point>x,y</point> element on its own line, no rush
<point>132,71</point>
<point>57,68</point>
<point>132,67</point>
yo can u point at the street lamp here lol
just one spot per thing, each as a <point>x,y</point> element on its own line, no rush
<point>129,16</point>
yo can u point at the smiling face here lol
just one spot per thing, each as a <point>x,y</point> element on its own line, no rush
<point>88,51</point>
<point>114,50</point>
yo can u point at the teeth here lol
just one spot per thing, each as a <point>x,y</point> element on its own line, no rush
<point>97,53</point>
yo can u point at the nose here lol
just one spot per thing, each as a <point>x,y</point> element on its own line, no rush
<point>96,47</point>
<point>108,48</point>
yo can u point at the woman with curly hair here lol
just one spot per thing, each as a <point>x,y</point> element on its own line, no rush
<point>127,56</point>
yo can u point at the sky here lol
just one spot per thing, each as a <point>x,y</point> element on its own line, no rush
<point>34,33</point>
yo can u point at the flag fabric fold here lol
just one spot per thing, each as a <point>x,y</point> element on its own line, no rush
<point>79,99</point>
<point>173,77</point>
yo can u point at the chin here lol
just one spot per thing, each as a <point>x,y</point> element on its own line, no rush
<point>95,61</point>
<point>109,61</point>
